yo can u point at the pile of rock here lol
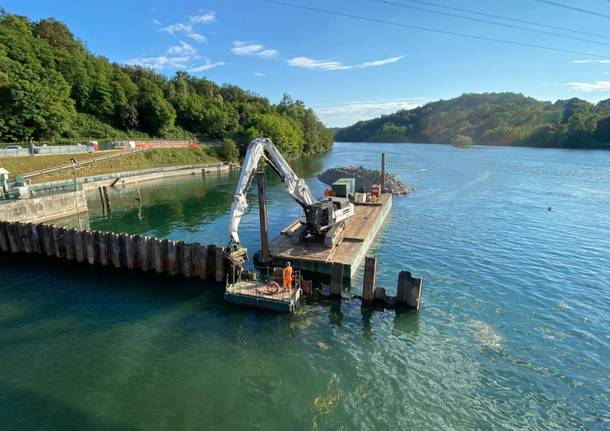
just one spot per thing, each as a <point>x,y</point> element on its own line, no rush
<point>365,178</point>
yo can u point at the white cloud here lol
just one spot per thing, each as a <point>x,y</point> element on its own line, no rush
<point>179,27</point>
<point>206,66</point>
<point>183,48</point>
<point>199,38</point>
<point>591,61</point>
<point>345,114</point>
<point>203,19</point>
<point>308,63</point>
<point>184,55</point>
<point>381,62</point>
<point>188,28</point>
<point>156,22</point>
<point>590,87</point>
<point>160,63</point>
<point>253,50</point>
<point>312,64</point>
<point>260,74</point>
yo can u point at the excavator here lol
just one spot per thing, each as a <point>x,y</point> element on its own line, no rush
<point>321,217</point>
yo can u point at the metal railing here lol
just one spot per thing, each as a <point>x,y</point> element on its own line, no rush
<point>40,191</point>
<point>79,165</point>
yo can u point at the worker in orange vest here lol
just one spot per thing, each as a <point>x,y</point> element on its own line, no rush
<point>287,276</point>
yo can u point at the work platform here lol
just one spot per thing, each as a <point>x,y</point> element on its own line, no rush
<point>257,294</point>
<point>359,234</point>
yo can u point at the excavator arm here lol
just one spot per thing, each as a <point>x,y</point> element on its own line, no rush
<point>294,185</point>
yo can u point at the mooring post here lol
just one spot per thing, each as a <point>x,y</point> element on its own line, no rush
<point>336,279</point>
<point>99,189</point>
<point>409,289</point>
<point>262,210</point>
<point>3,238</point>
<point>370,275</point>
<point>90,247</point>
<point>108,209</point>
<point>382,181</point>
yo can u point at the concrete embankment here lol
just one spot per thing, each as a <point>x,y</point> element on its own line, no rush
<point>130,177</point>
<point>45,208</point>
<point>60,201</point>
<point>206,262</point>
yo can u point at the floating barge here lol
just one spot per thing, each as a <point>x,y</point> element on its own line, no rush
<point>259,294</point>
<point>358,236</point>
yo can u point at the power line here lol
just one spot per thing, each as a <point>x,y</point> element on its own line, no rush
<point>522,21</point>
<point>432,30</point>
<point>513,26</point>
<point>578,9</point>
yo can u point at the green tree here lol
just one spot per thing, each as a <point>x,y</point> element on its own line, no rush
<point>52,87</point>
<point>284,134</point>
<point>461,141</point>
<point>34,99</point>
<point>154,112</point>
<point>229,150</point>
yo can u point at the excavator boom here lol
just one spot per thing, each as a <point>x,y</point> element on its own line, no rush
<point>294,185</point>
<point>325,218</point>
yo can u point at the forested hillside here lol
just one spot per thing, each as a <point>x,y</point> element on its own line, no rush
<point>52,88</point>
<point>492,119</point>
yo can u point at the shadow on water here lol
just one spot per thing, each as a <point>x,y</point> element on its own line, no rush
<point>98,298</point>
<point>48,413</point>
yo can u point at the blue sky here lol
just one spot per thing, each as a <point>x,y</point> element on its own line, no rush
<point>348,69</point>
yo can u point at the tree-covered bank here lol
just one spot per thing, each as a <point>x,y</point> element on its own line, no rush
<point>52,88</point>
<point>492,119</point>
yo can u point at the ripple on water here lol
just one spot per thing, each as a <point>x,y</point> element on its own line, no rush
<point>513,333</point>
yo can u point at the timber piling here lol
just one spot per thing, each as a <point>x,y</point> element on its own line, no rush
<point>117,250</point>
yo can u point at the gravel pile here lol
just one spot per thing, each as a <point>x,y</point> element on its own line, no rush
<point>365,178</point>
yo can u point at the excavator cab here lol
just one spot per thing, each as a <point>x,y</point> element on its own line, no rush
<point>328,212</point>
<point>320,216</point>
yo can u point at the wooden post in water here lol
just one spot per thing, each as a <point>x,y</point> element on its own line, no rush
<point>37,237</point>
<point>99,189</point>
<point>130,255</point>
<point>382,181</point>
<point>336,279</point>
<point>115,249</point>
<point>172,258</point>
<point>262,211</point>
<point>107,199</point>
<point>142,252</point>
<point>11,238</point>
<point>89,247</point>
<point>370,275</point>
<point>23,237</point>
<point>59,238</point>
<point>409,289</point>
<point>79,252</point>
<point>49,244</point>
<point>210,262</point>
<point>158,255</point>
<point>4,245</point>
<point>220,260</point>
<point>103,244</point>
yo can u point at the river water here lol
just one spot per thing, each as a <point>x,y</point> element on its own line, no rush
<point>514,331</point>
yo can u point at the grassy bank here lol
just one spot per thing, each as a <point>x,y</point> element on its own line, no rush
<point>162,157</point>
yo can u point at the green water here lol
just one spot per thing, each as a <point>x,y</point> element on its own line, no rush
<point>514,332</point>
